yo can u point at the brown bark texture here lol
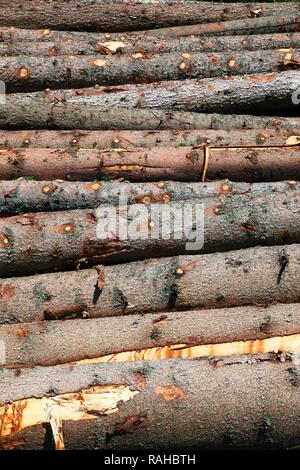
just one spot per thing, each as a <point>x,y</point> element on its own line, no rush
<point>269,24</point>
<point>62,139</point>
<point>263,93</point>
<point>123,16</point>
<point>266,418</point>
<point>250,164</point>
<point>21,196</point>
<point>33,344</point>
<point>90,44</point>
<point>214,280</point>
<point>36,73</point>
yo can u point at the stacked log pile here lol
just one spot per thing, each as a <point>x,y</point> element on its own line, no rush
<point>152,340</point>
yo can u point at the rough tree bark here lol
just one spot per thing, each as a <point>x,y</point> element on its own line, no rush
<point>147,394</point>
<point>80,44</point>
<point>215,280</point>
<point>269,24</point>
<point>123,16</point>
<point>250,164</point>
<point>21,196</point>
<point>33,344</point>
<point>34,73</point>
<point>239,94</point>
<point>168,138</point>
<point>44,241</point>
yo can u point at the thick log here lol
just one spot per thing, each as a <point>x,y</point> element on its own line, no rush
<point>34,112</point>
<point>39,242</point>
<point>93,44</point>
<point>215,280</point>
<point>269,24</point>
<point>123,16</point>
<point>153,336</point>
<point>34,73</point>
<point>143,394</point>
<point>250,164</point>
<point>21,196</point>
<point>238,94</point>
<point>93,139</point>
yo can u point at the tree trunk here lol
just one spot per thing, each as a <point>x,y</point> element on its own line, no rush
<point>126,414</point>
<point>79,44</point>
<point>123,16</point>
<point>153,336</point>
<point>41,242</point>
<point>250,164</point>
<point>269,24</point>
<point>21,196</point>
<point>168,138</point>
<point>34,73</point>
<point>230,279</point>
<point>242,94</point>
<point>32,112</point>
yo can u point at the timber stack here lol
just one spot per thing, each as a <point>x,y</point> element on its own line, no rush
<point>181,119</point>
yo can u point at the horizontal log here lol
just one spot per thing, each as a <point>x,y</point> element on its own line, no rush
<point>232,95</point>
<point>42,138</point>
<point>34,73</point>
<point>250,164</point>
<point>227,280</point>
<point>152,336</point>
<point>25,111</point>
<point>257,25</point>
<point>142,395</point>
<point>23,195</point>
<point>39,242</point>
<point>91,44</point>
<point>123,16</point>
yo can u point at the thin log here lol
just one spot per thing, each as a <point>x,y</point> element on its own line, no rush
<point>34,73</point>
<point>93,139</point>
<point>39,242</point>
<point>152,336</point>
<point>268,24</point>
<point>21,195</point>
<point>123,16</point>
<point>230,279</point>
<point>126,401</point>
<point>70,44</point>
<point>239,94</point>
<point>250,164</point>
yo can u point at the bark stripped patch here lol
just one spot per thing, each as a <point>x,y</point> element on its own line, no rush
<point>290,343</point>
<point>85,404</point>
<point>170,392</point>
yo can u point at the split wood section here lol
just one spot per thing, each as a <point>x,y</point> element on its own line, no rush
<point>250,164</point>
<point>215,280</point>
<point>147,393</point>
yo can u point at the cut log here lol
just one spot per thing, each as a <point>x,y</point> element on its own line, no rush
<point>116,139</point>
<point>238,94</point>
<point>34,73</point>
<point>215,280</point>
<point>250,164</point>
<point>153,336</point>
<point>80,44</point>
<point>113,406</point>
<point>268,24</point>
<point>25,111</point>
<point>43,241</point>
<point>123,16</point>
<point>21,196</point>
